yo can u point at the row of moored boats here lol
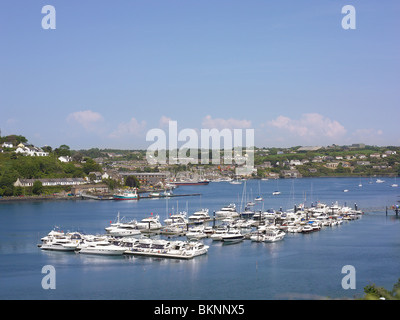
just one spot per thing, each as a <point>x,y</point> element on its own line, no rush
<point>262,226</point>
<point>107,245</point>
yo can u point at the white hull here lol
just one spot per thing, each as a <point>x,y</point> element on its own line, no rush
<point>104,250</point>
<point>58,247</point>
<point>166,249</point>
<point>231,239</point>
<point>124,233</point>
<point>274,238</point>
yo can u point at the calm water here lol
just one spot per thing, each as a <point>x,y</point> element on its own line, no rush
<point>299,267</point>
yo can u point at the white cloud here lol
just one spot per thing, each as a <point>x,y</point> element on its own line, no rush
<point>310,128</point>
<point>133,127</point>
<point>164,121</point>
<point>88,119</point>
<point>219,123</point>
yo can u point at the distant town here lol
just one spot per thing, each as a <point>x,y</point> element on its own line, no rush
<point>28,171</point>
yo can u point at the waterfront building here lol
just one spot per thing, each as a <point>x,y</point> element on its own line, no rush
<point>49,182</point>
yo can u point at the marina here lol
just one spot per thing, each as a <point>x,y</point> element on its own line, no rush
<point>290,246</point>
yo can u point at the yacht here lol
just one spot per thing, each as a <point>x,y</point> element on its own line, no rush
<point>177,219</point>
<point>154,195</point>
<point>294,229</point>
<point>59,241</point>
<point>199,216</point>
<point>101,248</point>
<point>273,235</point>
<point>379,181</point>
<point>269,214</point>
<point>258,198</point>
<point>233,235</point>
<point>227,211</point>
<point>307,228</point>
<point>219,232</point>
<point>59,244</point>
<point>196,233</point>
<point>168,249</point>
<point>113,225</point>
<point>275,193</point>
<point>150,223</point>
<point>257,237</point>
<point>124,230</point>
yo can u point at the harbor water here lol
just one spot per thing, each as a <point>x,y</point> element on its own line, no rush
<point>301,266</point>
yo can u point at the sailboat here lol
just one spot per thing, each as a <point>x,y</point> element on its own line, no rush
<point>395,185</point>
<point>276,192</point>
<point>235,182</point>
<point>259,198</point>
<point>251,203</point>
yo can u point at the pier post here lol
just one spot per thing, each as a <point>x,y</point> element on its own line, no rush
<point>386,210</point>
<point>214,220</point>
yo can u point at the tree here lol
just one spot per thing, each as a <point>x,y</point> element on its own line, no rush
<point>63,150</point>
<point>18,191</point>
<point>373,292</point>
<point>91,166</point>
<point>132,181</point>
<point>37,187</point>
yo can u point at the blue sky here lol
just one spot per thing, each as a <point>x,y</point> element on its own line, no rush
<point>113,70</point>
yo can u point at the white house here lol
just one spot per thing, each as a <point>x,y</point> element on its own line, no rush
<point>295,163</point>
<point>65,158</point>
<point>7,145</point>
<point>49,182</point>
<point>31,151</point>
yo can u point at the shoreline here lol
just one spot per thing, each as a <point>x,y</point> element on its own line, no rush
<point>5,199</point>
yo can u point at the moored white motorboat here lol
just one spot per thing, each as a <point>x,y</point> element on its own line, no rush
<point>168,249</point>
<point>307,228</point>
<point>257,237</point>
<point>218,232</point>
<point>196,233</point>
<point>62,244</point>
<point>294,229</point>
<point>177,219</point>
<point>124,230</point>
<point>101,248</point>
<point>150,223</point>
<point>199,216</point>
<point>60,241</point>
<point>227,211</point>
<point>273,235</point>
<point>233,235</point>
